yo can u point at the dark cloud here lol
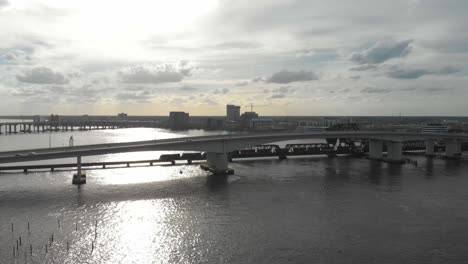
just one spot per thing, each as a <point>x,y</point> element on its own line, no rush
<point>407,74</point>
<point>42,75</point>
<point>3,3</point>
<point>156,74</point>
<point>277,96</point>
<point>400,73</point>
<point>237,45</point>
<point>364,67</point>
<point>374,90</point>
<point>355,77</point>
<point>382,51</point>
<point>435,89</point>
<point>285,76</point>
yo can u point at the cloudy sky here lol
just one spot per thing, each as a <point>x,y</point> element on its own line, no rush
<point>287,57</point>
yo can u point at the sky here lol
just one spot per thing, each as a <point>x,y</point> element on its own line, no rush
<point>286,57</point>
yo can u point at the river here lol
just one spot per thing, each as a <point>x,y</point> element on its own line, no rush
<point>299,210</point>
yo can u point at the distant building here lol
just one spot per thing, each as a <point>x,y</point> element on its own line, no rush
<point>178,120</point>
<point>38,119</point>
<point>434,128</point>
<point>84,118</point>
<point>330,121</point>
<point>232,112</point>
<point>246,117</point>
<point>122,116</point>
<point>261,123</point>
<point>309,126</point>
<point>54,118</point>
<point>214,123</point>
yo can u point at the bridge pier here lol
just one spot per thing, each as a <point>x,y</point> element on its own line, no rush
<point>394,152</point>
<point>430,148</point>
<point>217,163</point>
<point>452,148</point>
<point>80,177</point>
<point>375,149</point>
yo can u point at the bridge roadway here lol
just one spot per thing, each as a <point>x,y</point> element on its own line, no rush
<point>217,147</point>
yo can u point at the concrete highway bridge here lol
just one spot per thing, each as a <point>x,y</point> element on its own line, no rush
<point>217,147</point>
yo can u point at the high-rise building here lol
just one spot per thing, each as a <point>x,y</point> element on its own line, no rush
<point>178,120</point>
<point>232,112</point>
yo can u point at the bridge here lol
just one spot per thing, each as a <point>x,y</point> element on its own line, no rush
<point>38,127</point>
<point>217,147</point>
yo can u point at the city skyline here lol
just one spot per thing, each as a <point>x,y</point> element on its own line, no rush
<point>291,57</point>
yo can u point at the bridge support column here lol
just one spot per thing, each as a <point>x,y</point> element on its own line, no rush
<point>394,152</point>
<point>375,149</point>
<point>217,163</point>
<point>452,148</point>
<point>80,177</point>
<point>430,148</point>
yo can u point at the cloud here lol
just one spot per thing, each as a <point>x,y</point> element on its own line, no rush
<point>237,45</point>
<point>223,91</point>
<point>277,96</point>
<point>187,88</point>
<point>382,51</point>
<point>407,74</point>
<point>285,76</point>
<point>128,96</point>
<point>400,73</point>
<point>42,75</point>
<point>258,79</point>
<point>364,67</point>
<point>284,90</point>
<point>374,90</point>
<point>344,90</point>
<point>241,83</point>
<point>156,74</point>
<point>3,3</point>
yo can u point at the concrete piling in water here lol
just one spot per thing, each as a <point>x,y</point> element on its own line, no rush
<point>30,249</point>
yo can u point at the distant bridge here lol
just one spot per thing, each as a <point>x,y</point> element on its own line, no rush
<point>37,127</point>
<point>217,147</point>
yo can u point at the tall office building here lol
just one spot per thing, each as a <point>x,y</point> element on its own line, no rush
<point>178,120</point>
<point>232,112</point>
